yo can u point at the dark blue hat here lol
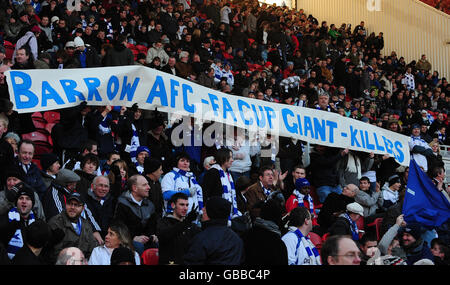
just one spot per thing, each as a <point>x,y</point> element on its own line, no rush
<point>141,149</point>
<point>301,182</point>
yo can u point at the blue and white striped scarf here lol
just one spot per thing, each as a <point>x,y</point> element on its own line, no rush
<point>191,178</point>
<point>133,149</point>
<point>16,241</point>
<point>312,252</point>
<point>301,198</point>
<point>353,226</point>
<point>229,191</point>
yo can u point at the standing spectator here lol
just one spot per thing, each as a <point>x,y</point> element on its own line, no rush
<point>324,172</point>
<point>77,230</point>
<point>181,179</point>
<point>266,230</point>
<point>50,167</point>
<point>119,54</point>
<point>6,150</point>
<point>138,213</point>
<point>86,54</point>
<point>216,244</point>
<point>175,230</point>
<point>157,50</point>
<point>16,220</point>
<point>30,171</point>
<point>14,181</point>
<point>87,172</point>
<point>390,191</point>
<point>218,181</point>
<point>301,198</point>
<point>423,64</point>
<point>100,202</point>
<point>36,237</point>
<point>301,251</point>
<point>153,172</point>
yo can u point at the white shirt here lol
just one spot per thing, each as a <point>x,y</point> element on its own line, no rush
<point>290,239</point>
<point>101,255</point>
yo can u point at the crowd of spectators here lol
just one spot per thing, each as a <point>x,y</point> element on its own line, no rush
<point>97,196</point>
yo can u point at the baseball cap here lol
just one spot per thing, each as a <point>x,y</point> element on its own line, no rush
<point>76,196</point>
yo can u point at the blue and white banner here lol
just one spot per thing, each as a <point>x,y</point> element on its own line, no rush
<point>42,90</point>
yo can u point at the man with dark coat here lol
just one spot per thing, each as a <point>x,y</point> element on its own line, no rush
<point>138,213</point>
<point>266,231</point>
<point>176,230</point>
<point>334,205</point>
<point>216,244</point>
<point>119,54</point>
<point>30,171</point>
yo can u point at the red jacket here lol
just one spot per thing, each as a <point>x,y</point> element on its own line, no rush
<point>292,203</point>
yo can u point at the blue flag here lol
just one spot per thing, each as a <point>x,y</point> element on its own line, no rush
<point>424,203</point>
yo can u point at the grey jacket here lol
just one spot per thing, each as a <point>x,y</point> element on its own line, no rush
<point>368,202</point>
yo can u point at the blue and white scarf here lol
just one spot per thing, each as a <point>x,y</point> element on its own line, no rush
<point>353,226</point>
<point>16,241</point>
<point>191,178</point>
<point>229,191</point>
<point>312,251</point>
<point>266,191</point>
<point>301,198</point>
<point>133,149</point>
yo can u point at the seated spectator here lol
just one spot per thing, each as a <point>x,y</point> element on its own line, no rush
<point>340,250</point>
<point>390,192</point>
<point>136,211</point>
<point>81,234</point>
<point>117,236</point>
<point>345,224</point>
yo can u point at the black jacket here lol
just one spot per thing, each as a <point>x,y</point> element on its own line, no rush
<point>258,253</point>
<point>215,245</point>
<point>174,236</point>
<point>334,203</point>
<point>141,220</point>
<point>101,213</point>
<point>323,168</point>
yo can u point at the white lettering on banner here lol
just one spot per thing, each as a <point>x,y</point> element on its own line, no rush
<point>43,90</point>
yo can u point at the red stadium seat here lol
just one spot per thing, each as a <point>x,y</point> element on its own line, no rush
<point>38,119</point>
<point>316,240</point>
<point>325,236</point>
<point>36,136</point>
<point>377,224</point>
<point>52,117</point>
<point>150,256</point>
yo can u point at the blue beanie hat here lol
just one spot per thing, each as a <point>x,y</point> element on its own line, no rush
<point>301,182</point>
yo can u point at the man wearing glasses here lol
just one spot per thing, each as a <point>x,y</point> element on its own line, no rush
<point>77,230</point>
<point>340,250</point>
